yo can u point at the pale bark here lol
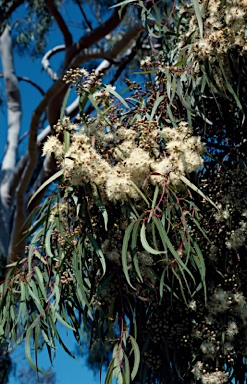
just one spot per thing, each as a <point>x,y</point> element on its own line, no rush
<point>14,124</point>
<point>46,61</point>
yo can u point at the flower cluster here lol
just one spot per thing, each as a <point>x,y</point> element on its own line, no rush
<point>82,79</point>
<point>238,236</point>
<point>143,155</point>
<point>217,377</point>
<point>224,29</point>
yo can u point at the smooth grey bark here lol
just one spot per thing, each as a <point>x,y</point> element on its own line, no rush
<point>14,124</point>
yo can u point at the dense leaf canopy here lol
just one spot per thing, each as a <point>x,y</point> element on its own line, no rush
<point>141,248</point>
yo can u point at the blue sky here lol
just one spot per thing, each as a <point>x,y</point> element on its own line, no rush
<point>67,369</point>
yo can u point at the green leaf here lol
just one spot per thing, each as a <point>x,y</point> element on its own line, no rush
<point>134,250</point>
<point>117,95</point>
<point>125,2</point>
<point>98,252</point>
<point>40,281</point>
<point>158,100</point>
<point>48,243</point>
<point>156,193</point>
<point>137,357</point>
<point>66,137</point>
<point>180,284</point>
<point>145,244</point>
<point>28,349</point>
<point>140,192</point>
<point>32,247</point>
<point>103,117</point>
<point>126,372</point>
<point>169,111</point>
<point>199,260</point>
<point>167,243</point>
<point>46,183</point>
<point>185,103</point>
<point>59,318</point>
<point>198,16</point>
<point>65,100</point>
<point>109,374</point>
<point>32,290</point>
<point>162,279</point>
<point>125,252</point>
<point>103,210</point>
<point>192,186</point>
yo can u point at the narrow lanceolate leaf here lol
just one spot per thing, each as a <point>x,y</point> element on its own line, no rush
<point>98,251</point>
<point>65,100</point>
<point>33,292</point>
<point>28,349</point>
<point>40,281</point>
<point>199,260</point>
<point>59,318</point>
<point>103,117</point>
<point>125,252</point>
<point>32,248</point>
<point>103,211</point>
<point>125,2</point>
<point>192,186</point>
<point>23,301</point>
<point>48,243</point>
<point>198,16</point>
<point>158,100</point>
<point>171,117</point>
<point>156,193</point>
<point>119,97</point>
<point>137,357</point>
<point>66,137</point>
<point>167,243</point>
<point>140,192</point>
<point>145,244</point>
<point>185,103</point>
<point>134,249</point>
<point>162,283</point>
<point>46,183</point>
<point>181,285</point>
<point>126,371</point>
<point>36,343</point>
<point>109,374</point>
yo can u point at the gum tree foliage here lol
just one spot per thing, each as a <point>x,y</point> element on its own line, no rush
<point>142,245</point>
<point>106,40</point>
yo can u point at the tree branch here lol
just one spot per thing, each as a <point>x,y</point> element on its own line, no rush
<point>84,15</point>
<point>111,53</point>
<point>27,80</point>
<point>60,22</point>
<point>46,63</point>
<point>98,33</point>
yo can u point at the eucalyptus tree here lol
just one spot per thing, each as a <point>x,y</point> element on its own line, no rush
<point>107,42</point>
<point>142,246</point>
